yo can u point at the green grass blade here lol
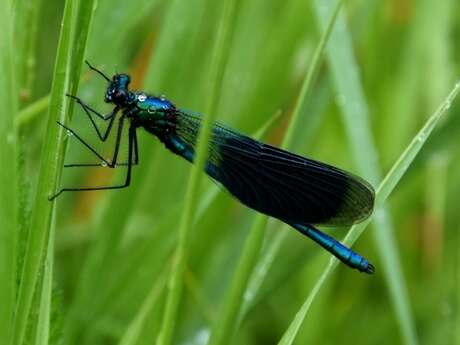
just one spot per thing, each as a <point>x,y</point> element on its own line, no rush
<point>82,27</point>
<point>386,187</point>
<point>8,195</point>
<point>44,309</point>
<point>267,126</point>
<point>355,114</point>
<point>402,164</point>
<point>31,112</point>
<point>226,323</point>
<point>407,94</point>
<point>218,64</point>
<point>51,162</point>
<point>107,228</point>
<point>310,78</point>
<point>456,336</point>
<point>27,116</point>
<point>261,269</point>
<point>235,301</point>
<point>132,333</point>
<point>27,16</point>
<point>344,72</point>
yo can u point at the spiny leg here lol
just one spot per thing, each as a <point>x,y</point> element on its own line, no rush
<point>80,139</point>
<point>87,107</point>
<point>136,148</point>
<point>88,110</point>
<point>111,164</point>
<point>132,144</point>
<point>82,165</point>
<point>117,143</point>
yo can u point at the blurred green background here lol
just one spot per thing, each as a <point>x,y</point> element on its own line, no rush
<point>387,67</point>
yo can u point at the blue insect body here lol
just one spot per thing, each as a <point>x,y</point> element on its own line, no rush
<point>296,190</point>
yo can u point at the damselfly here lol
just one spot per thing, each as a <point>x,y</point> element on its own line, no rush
<point>296,190</point>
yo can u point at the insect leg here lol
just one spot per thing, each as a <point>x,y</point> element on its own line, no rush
<point>132,142</point>
<point>80,139</point>
<point>88,110</point>
<point>136,149</point>
<point>113,165</point>
<point>110,164</point>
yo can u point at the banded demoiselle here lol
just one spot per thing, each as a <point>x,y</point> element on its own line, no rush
<point>296,190</point>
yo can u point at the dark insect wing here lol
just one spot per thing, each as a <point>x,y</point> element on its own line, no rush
<point>279,183</point>
<point>289,187</point>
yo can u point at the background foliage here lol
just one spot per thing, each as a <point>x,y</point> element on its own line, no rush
<point>386,68</point>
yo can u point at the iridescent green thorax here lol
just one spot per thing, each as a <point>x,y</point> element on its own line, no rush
<point>152,108</point>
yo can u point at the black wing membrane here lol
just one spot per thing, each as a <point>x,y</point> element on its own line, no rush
<point>285,185</point>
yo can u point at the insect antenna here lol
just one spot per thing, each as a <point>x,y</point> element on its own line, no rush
<point>98,71</point>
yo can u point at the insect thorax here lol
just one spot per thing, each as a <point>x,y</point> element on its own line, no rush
<point>153,108</point>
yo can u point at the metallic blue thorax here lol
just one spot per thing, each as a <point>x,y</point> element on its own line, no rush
<point>153,107</point>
